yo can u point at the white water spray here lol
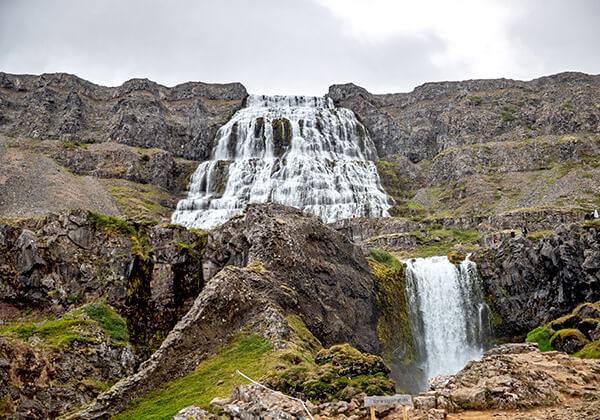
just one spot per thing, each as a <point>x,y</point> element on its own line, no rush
<point>449,319</point>
<point>295,150</point>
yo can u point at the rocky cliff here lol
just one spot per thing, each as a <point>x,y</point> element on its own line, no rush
<point>150,272</point>
<point>181,120</point>
<point>438,116</point>
<point>529,282</point>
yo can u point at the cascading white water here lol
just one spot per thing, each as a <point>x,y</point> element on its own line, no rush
<point>295,150</point>
<point>450,321</point>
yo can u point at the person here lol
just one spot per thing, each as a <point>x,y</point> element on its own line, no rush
<point>495,239</point>
<point>587,217</point>
<point>524,231</point>
<point>512,233</point>
<point>596,214</point>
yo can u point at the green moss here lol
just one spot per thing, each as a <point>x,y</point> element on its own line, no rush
<point>214,377</point>
<point>456,257</point>
<point>73,145</point>
<point>590,351</point>
<point>339,372</point>
<point>111,323</point>
<point>475,100</point>
<point>393,325</point>
<point>508,112</point>
<point>385,258</point>
<point>541,335</point>
<point>63,332</point>
<point>568,107</point>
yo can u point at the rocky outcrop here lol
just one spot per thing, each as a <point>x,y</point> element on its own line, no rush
<point>181,120</point>
<point>437,116</point>
<point>259,267</point>
<point>529,283</point>
<point>331,286</point>
<point>518,376</point>
<point>42,377</point>
<point>150,272</point>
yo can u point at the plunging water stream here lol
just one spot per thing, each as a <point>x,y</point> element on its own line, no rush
<point>295,150</point>
<point>449,318</point>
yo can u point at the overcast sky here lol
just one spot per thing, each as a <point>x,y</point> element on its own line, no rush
<point>300,46</point>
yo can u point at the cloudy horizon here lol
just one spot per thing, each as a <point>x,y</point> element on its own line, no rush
<point>300,47</point>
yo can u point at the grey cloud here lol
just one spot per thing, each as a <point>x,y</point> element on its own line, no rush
<point>556,35</point>
<point>271,46</point>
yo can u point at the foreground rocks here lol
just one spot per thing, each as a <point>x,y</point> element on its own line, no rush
<point>512,381</point>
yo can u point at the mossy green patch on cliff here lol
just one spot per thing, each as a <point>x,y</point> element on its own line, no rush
<point>73,327</point>
<point>140,201</point>
<point>393,326</point>
<point>113,325</point>
<point>541,335</point>
<point>214,377</point>
<point>575,332</point>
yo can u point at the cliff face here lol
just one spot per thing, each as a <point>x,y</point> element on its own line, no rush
<point>438,116</point>
<point>181,120</point>
<point>529,283</point>
<point>149,272</point>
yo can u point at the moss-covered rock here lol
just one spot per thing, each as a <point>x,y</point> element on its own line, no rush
<point>577,333</point>
<point>569,340</point>
<point>282,135</point>
<point>456,257</point>
<point>337,373</point>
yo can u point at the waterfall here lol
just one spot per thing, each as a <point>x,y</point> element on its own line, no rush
<point>295,150</point>
<point>449,318</point>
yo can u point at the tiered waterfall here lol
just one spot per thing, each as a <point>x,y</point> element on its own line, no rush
<point>295,150</point>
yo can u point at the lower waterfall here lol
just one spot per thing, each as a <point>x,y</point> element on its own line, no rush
<point>449,319</point>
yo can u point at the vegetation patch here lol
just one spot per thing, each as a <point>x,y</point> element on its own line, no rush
<point>508,113</point>
<point>393,326</point>
<point>73,327</point>
<point>577,333</point>
<point>541,336</point>
<point>337,373</point>
<point>140,201</point>
<point>111,323</point>
<point>214,377</point>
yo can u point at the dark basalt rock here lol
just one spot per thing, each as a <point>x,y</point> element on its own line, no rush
<point>530,283</point>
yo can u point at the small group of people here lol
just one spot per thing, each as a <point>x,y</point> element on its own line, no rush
<point>513,234</point>
<point>590,216</point>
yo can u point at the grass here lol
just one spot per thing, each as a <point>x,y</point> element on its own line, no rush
<point>111,323</point>
<point>385,258</point>
<point>432,241</point>
<point>508,112</point>
<point>214,377</point>
<point>136,233</point>
<point>72,327</point>
<point>541,335</point>
<point>140,201</point>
